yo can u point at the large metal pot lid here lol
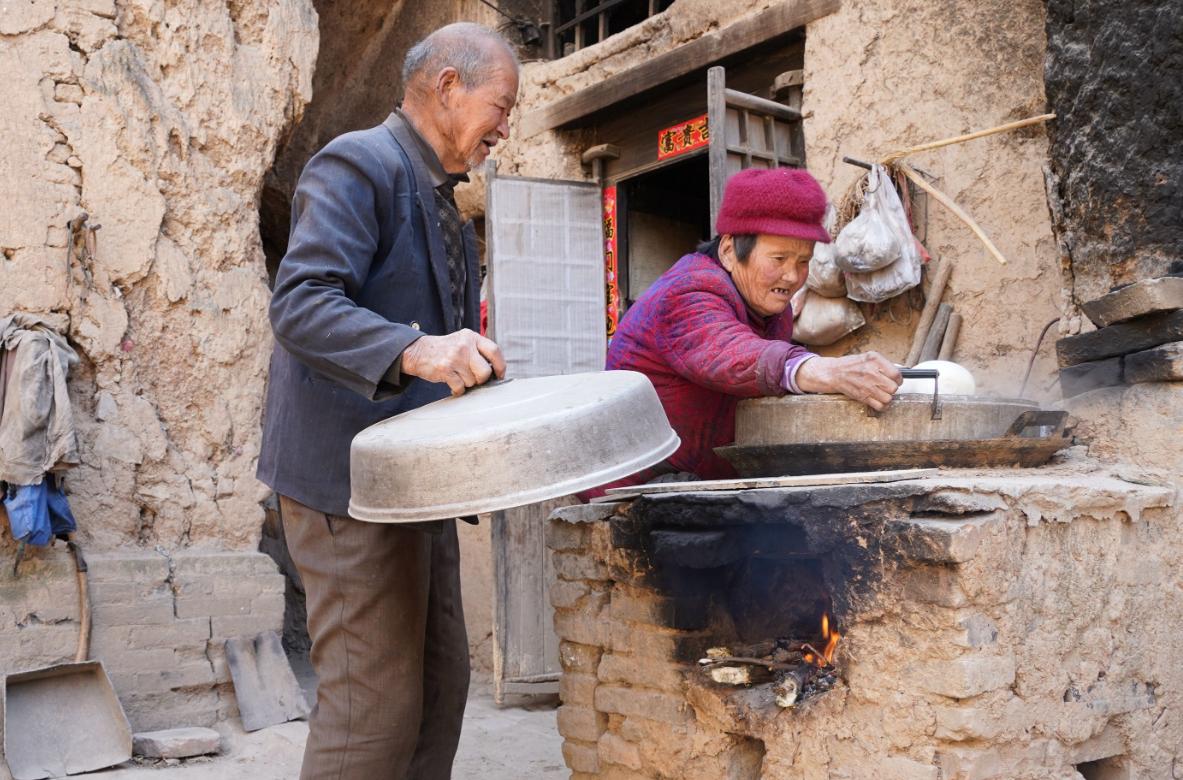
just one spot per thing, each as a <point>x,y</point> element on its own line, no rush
<point>508,444</point>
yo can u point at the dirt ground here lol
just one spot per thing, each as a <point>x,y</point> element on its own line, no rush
<point>496,744</point>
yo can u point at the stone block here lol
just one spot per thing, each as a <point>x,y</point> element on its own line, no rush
<point>1149,296</point>
<point>960,724</point>
<point>1093,375</point>
<point>582,626</point>
<point>640,639</point>
<point>965,677</point>
<point>939,585</point>
<point>653,705</point>
<point>177,743</point>
<point>983,763</point>
<point>208,606</point>
<point>222,564</point>
<point>944,539</point>
<point>1121,339</point>
<point>578,566</point>
<point>574,657</point>
<point>902,768</point>
<point>585,513</point>
<point>1161,364</point>
<point>643,606</point>
<point>614,749</point>
<point>979,631</point>
<point>567,536</point>
<point>581,723</point>
<point>567,595</point>
<point>640,671</point>
<point>169,635</point>
<point>579,689</point>
<point>229,626</point>
<point>581,757</point>
<point>125,569</point>
<point>154,611</point>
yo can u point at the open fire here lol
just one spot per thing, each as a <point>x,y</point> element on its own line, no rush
<point>792,669</point>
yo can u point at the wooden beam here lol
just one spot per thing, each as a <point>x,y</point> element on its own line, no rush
<point>761,106</point>
<point>681,61</point>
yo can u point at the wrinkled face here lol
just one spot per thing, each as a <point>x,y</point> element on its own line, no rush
<point>776,268</point>
<point>476,118</point>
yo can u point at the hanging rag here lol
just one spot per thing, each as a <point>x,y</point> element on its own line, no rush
<point>36,422</point>
<point>38,513</point>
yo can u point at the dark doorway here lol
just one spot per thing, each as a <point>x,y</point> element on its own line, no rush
<point>666,213</point>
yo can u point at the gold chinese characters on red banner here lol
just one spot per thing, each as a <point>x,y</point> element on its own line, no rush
<point>610,261</point>
<point>681,138</point>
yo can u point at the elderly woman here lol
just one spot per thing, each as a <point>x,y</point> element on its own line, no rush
<point>717,327</point>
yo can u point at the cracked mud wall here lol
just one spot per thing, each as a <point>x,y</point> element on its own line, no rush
<point>158,122</point>
<point>884,75</point>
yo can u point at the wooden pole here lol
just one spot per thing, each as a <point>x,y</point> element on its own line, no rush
<point>935,291</point>
<point>958,212</point>
<point>949,343</point>
<point>932,344</point>
<point>1035,120</point>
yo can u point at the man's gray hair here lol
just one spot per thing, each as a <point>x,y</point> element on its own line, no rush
<point>466,46</point>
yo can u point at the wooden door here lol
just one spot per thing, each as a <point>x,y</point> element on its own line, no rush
<point>747,131</point>
<point>546,311</point>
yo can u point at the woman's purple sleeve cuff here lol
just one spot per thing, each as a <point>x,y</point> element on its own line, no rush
<point>792,365</point>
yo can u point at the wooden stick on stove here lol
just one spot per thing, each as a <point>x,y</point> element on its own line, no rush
<point>932,344</point>
<point>935,291</point>
<point>787,689</point>
<point>739,659</point>
<point>949,343</point>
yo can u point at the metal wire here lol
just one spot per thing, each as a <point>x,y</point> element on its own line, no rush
<point>1034,354</point>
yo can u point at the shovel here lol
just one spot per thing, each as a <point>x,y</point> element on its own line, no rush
<point>65,719</point>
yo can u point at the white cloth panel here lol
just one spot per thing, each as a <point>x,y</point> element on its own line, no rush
<point>546,261</point>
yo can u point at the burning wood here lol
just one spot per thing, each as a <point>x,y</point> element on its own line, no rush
<point>795,669</point>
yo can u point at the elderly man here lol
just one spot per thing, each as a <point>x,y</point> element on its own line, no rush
<point>374,310</point>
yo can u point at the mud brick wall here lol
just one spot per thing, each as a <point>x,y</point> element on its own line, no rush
<point>624,712</point>
<point>1010,624</point>
<point>1114,77</point>
<point>159,625</point>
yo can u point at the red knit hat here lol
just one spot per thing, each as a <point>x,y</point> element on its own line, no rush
<point>777,201</point>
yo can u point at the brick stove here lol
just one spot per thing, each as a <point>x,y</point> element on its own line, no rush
<point>996,624</point>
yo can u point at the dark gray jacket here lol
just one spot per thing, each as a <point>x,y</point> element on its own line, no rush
<point>365,275</point>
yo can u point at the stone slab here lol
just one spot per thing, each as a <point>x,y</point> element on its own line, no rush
<point>1161,364</point>
<point>941,540</point>
<point>177,743</point>
<point>264,683</point>
<point>1092,375</point>
<point>1145,297</point>
<point>1121,339</point>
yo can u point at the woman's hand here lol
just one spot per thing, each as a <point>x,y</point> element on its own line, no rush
<point>868,378</point>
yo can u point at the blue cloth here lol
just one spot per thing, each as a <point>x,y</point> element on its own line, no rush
<point>37,513</point>
<point>365,274</point>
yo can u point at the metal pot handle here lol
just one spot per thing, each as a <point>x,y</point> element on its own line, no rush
<point>927,373</point>
<point>1039,417</point>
